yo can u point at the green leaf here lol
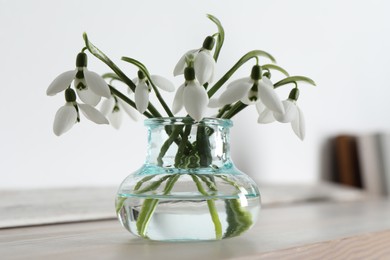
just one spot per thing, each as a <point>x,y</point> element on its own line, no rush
<point>203,146</point>
<point>143,68</point>
<point>103,57</point>
<point>145,215</point>
<point>221,35</point>
<point>294,79</point>
<point>239,220</point>
<point>137,63</point>
<point>239,63</point>
<point>275,67</point>
<point>149,207</point>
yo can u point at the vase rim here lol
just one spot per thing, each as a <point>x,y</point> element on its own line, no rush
<point>188,121</point>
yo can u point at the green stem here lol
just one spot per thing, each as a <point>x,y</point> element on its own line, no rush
<point>149,207</point>
<point>235,109</point>
<point>145,179</point>
<point>220,35</point>
<point>143,68</point>
<point>127,100</point>
<point>104,58</point>
<point>223,110</point>
<point>239,63</point>
<point>294,79</point>
<point>212,208</point>
<point>162,101</point>
<point>175,133</point>
<point>152,186</point>
<point>182,146</point>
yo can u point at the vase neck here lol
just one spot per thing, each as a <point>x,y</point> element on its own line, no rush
<point>185,144</point>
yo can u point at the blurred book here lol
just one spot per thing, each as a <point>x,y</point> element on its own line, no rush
<point>384,150</point>
<point>346,161</point>
<point>371,151</point>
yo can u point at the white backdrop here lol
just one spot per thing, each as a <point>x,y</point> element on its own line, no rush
<point>343,45</point>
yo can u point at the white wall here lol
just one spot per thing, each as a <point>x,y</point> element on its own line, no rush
<point>343,45</point>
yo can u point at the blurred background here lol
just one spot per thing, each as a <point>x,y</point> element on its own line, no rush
<point>342,45</point>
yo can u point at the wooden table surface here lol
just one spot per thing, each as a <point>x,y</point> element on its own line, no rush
<point>353,230</point>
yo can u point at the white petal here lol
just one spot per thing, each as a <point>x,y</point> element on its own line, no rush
<point>92,114</point>
<point>260,107</point>
<point>86,95</point>
<point>298,124</point>
<point>239,82</point>
<point>195,100</point>
<point>290,112</point>
<point>61,82</point>
<point>163,83</point>
<point>141,97</point>
<point>130,111</point>
<point>116,118</point>
<point>181,64</point>
<point>266,117</point>
<point>64,119</point>
<point>235,92</point>
<point>96,83</point>
<point>178,101</point>
<point>269,97</point>
<point>107,106</point>
<point>214,103</point>
<point>135,81</point>
<point>204,66</point>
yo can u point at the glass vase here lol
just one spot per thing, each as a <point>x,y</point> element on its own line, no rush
<point>188,188</point>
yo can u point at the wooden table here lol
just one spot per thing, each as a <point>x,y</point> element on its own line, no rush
<point>349,230</point>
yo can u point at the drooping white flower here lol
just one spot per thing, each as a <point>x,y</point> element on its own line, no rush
<point>192,96</point>
<point>253,90</point>
<point>89,85</point>
<point>143,89</point>
<point>293,114</point>
<point>113,109</point>
<point>68,115</point>
<point>202,61</point>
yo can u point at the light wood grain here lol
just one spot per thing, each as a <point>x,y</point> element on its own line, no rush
<point>278,229</point>
<point>48,206</point>
<point>366,246</point>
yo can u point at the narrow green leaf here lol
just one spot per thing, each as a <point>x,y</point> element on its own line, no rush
<point>221,35</point>
<point>111,76</point>
<point>239,220</point>
<point>275,67</point>
<point>145,215</point>
<point>103,57</point>
<point>294,79</point>
<point>239,63</point>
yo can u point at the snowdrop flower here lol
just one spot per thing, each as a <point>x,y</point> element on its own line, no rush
<point>113,109</point>
<point>68,115</point>
<point>203,62</point>
<point>89,85</point>
<point>293,114</point>
<point>143,89</point>
<point>192,96</point>
<point>253,90</point>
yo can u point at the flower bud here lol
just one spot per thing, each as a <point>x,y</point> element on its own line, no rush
<point>81,60</point>
<point>208,43</point>
<point>256,72</point>
<point>70,95</point>
<point>141,75</point>
<point>294,94</point>
<point>189,73</point>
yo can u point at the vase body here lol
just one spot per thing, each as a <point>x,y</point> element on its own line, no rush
<point>188,188</point>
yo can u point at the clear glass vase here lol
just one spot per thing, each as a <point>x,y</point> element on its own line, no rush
<point>188,187</point>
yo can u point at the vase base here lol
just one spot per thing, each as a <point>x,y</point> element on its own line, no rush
<point>187,218</point>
